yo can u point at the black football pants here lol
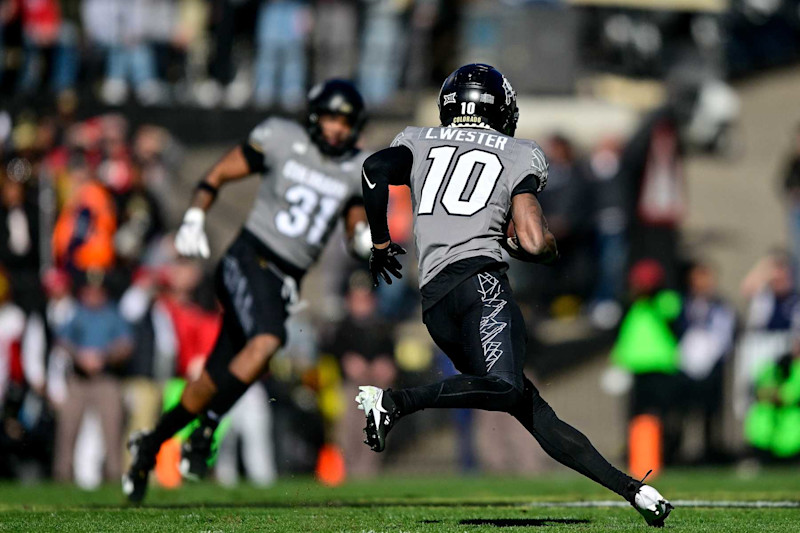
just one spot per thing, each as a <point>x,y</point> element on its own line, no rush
<point>480,327</point>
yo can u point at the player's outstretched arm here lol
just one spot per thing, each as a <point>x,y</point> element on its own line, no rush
<point>191,240</point>
<point>238,163</point>
<point>390,166</point>
<point>533,240</point>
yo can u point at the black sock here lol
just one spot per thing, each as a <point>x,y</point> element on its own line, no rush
<point>229,390</point>
<point>569,446</point>
<point>489,393</point>
<point>170,423</point>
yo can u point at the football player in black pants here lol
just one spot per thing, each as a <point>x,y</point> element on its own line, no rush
<point>310,178</point>
<point>466,178</point>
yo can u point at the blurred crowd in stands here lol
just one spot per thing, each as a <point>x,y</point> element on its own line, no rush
<point>265,53</point>
<point>690,362</point>
<point>204,52</point>
<point>96,310</point>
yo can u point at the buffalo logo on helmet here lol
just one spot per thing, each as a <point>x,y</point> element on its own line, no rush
<point>510,94</point>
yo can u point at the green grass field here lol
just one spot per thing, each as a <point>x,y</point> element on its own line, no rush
<point>469,504</point>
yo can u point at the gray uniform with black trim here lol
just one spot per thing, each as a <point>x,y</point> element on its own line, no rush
<point>461,184</point>
<point>302,194</point>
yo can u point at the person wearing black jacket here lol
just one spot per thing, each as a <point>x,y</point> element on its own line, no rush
<point>19,242</point>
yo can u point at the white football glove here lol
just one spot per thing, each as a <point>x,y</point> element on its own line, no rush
<point>361,243</point>
<point>191,240</point>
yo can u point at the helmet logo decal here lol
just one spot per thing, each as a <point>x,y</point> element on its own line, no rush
<point>462,120</point>
<point>336,103</point>
<point>510,94</point>
<point>487,98</point>
<point>315,91</point>
<point>449,99</point>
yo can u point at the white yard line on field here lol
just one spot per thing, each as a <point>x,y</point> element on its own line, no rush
<point>752,504</point>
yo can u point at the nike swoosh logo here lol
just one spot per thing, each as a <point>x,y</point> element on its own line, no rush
<point>369,183</point>
<point>378,409</point>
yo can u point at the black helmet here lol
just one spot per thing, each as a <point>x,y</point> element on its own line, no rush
<point>335,97</point>
<point>478,95</point>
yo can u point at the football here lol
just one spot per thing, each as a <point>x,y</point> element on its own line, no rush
<point>509,241</point>
<point>510,230</point>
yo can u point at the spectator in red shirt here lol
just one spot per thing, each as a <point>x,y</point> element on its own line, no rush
<point>173,336</point>
<point>43,28</point>
<point>195,328</point>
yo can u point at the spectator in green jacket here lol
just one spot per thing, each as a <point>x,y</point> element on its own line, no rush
<point>647,347</point>
<point>772,425</point>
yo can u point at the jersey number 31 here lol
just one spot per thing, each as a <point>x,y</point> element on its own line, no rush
<point>455,187</point>
<point>304,201</point>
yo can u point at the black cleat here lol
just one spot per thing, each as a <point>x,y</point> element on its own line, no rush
<point>380,412</point>
<point>195,453</point>
<point>143,455</point>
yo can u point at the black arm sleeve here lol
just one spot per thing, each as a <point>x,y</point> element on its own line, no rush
<point>529,184</point>
<point>390,166</point>
<point>254,158</point>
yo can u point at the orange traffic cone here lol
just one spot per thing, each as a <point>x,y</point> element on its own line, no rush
<point>167,460</point>
<point>330,465</point>
<point>644,446</point>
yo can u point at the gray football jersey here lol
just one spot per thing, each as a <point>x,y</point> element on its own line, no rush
<point>461,184</point>
<point>302,193</point>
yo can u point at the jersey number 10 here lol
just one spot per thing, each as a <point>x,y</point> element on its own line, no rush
<point>456,186</point>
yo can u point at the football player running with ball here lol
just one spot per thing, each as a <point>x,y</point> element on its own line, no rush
<point>466,178</point>
<point>310,177</point>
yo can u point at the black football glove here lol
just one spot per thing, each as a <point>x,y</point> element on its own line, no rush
<point>383,262</point>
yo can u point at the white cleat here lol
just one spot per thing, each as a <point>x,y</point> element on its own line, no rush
<point>379,420</point>
<point>652,505</point>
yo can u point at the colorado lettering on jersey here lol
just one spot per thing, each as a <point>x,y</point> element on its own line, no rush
<point>318,181</point>
<point>490,140</point>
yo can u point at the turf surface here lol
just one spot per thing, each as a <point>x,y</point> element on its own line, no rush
<point>470,504</point>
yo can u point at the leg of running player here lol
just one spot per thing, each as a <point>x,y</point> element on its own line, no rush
<point>472,325</point>
<point>573,449</point>
<point>486,338</point>
<point>233,381</point>
<point>210,397</point>
<point>482,329</point>
<point>217,394</point>
<point>252,296</point>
